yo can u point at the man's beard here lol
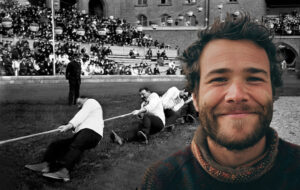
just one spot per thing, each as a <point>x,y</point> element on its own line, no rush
<point>209,122</point>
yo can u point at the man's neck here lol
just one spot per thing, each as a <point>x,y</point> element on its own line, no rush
<point>236,158</point>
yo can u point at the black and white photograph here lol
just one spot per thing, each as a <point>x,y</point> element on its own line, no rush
<point>149,94</point>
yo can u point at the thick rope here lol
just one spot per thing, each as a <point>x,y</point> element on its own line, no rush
<point>112,118</point>
<point>28,136</point>
<point>54,130</point>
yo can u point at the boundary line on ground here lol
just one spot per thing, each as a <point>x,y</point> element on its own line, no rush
<point>4,80</point>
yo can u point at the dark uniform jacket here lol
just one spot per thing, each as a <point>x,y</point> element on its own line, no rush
<point>73,71</point>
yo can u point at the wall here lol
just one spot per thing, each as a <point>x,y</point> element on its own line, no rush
<point>293,41</point>
<point>129,9</point>
<point>153,10</point>
<point>183,38</point>
<point>256,8</point>
<point>174,37</point>
<point>277,11</point>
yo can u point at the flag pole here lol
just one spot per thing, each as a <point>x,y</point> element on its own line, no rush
<point>53,37</point>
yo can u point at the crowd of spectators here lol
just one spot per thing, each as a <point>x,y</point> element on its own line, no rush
<point>284,24</point>
<point>74,25</point>
<point>96,66</point>
<point>19,59</point>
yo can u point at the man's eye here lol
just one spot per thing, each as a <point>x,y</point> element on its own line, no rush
<point>254,79</point>
<point>219,79</point>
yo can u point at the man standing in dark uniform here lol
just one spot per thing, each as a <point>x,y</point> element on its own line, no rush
<point>73,74</point>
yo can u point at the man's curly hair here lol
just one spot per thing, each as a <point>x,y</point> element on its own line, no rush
<point>233,28</point>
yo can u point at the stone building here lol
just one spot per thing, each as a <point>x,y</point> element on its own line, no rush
<point>165,20</point>
<point>177,12</point>
<point>167,12</point>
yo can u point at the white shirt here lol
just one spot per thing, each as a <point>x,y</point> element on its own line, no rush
<point>154,106</point>
<point>65,59</point>
<point>91,69</point>
<point>84,67</point>
<point>171,99</point>
<point>134,71</point>
<point>99,69</point>
<point>16,64</point>
<point>90,116</point>
<point>171,64</point>
<point>51,56</point>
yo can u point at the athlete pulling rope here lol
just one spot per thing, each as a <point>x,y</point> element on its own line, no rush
<point>61,155</point>
<point>54,130</point>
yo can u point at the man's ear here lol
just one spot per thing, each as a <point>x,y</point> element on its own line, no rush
<point>195,101</point>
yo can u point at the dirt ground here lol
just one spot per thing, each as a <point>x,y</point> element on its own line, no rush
<point>108,166</point>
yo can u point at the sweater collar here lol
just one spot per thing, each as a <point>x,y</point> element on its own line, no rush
<point>237,175</point>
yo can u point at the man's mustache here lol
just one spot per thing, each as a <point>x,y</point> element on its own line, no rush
<point>243,108</point>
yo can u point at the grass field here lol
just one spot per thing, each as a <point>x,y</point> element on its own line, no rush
<point>108,166</point>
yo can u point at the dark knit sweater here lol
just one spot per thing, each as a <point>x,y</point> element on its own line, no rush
<point>184,171</point>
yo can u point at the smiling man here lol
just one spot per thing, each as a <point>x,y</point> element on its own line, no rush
<point>233,73</point>
<point>235,97</point>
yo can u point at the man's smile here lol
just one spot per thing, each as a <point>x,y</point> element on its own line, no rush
<point>237,114</point>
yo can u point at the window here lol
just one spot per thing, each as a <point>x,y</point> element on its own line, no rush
<point>143,20</point>
<point>165,2</point>
<point>142,2</point>
<point>166,20</point>
<point>189,1</point>
<point>190,20</point>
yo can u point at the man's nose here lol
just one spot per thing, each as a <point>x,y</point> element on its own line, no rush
<point>237,93</point>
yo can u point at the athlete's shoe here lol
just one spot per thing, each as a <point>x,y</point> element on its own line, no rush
<point>169,127</point>
<point>40,167</point>
<point>141,135</point>
<point>115,138</point>
<point>62,174</point>
<point>180,120</point>
<point>190,119</point>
